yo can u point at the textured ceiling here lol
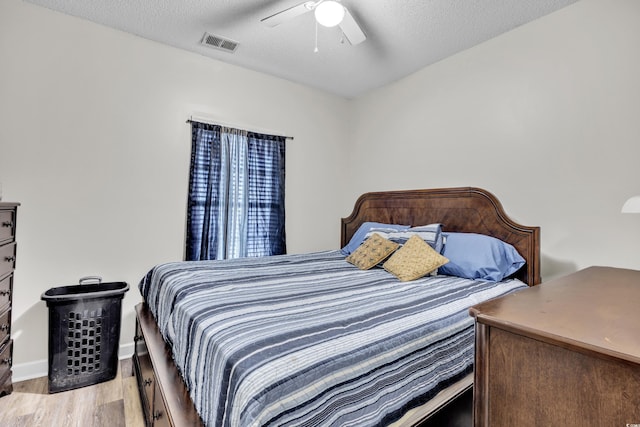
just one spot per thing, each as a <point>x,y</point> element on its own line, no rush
<point>403,36</point>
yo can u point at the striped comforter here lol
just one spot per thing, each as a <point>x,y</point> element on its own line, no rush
<point>310,340</point>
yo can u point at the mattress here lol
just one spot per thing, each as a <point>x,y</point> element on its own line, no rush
<point>310,340</point>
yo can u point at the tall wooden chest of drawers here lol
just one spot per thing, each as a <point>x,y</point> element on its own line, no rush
<point>8,212</point>
<point>564,353</point>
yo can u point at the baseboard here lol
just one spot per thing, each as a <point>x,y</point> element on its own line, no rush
<point>29,370</point>
<point>40,368</point>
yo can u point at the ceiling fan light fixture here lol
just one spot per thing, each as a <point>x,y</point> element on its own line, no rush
<point>329,13</point>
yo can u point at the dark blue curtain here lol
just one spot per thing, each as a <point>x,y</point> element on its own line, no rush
<point>265,216</point>
<point>257,211</point>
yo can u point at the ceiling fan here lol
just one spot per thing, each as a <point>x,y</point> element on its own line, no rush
<point>327,12</point>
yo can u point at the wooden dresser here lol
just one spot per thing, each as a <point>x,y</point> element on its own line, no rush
<point>564,353</point>
<point>8,213</point>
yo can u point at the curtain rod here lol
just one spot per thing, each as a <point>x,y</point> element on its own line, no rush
<point>220,123</point>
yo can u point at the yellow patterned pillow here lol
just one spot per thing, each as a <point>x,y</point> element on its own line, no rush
<point>414,260</point>
<point>372,251</point>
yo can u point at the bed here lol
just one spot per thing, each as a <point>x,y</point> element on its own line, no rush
<point>169,344</point>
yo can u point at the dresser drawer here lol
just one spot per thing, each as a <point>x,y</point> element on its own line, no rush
<point>160,415</point>
<point>7,258</point>
<point>6,387</point>
<point>5,326</point>
<point>6,290</point>
<point>8,215</point>
<point>7,225</point>
<point>6,357</point>
<point>144,374</point>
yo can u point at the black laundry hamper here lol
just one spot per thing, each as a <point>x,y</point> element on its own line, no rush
<point>84,332</point>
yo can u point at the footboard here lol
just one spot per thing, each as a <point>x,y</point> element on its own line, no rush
<point>164,397</point>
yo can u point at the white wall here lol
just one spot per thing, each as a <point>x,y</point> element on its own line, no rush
<point>94,144</point>
<point>546,117</point>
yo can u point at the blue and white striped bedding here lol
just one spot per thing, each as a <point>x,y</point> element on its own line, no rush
<point>311,340</point>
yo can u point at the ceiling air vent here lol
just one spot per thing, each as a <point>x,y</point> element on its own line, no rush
<point>218,42</point>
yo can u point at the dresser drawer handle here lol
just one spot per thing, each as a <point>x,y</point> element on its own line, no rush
<point>4,293</point>
<point>5,327</point>
<point>6,361</point>
<point>7,224</point>
<point>9,258</point>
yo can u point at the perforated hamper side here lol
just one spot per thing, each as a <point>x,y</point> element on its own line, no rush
<point>84,334</point>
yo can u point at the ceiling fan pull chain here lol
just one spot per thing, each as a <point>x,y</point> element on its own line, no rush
<point>315,50</point>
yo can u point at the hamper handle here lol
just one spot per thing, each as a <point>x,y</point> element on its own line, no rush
<point>86,279</point>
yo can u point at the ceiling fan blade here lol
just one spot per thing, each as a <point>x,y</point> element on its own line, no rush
<point>287,14</point>
<point>351,29</point>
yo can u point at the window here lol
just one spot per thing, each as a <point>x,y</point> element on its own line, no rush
<point>236,194</point>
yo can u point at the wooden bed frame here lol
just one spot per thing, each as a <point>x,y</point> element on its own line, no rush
<point>165,399</point>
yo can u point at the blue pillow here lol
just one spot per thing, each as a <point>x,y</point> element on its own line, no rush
<point>476,256</point>
<point>360,235</point>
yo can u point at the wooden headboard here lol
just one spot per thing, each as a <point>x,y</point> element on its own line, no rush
<point>465,209</point>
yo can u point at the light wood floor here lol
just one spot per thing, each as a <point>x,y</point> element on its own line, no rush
<point>114,403</point>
